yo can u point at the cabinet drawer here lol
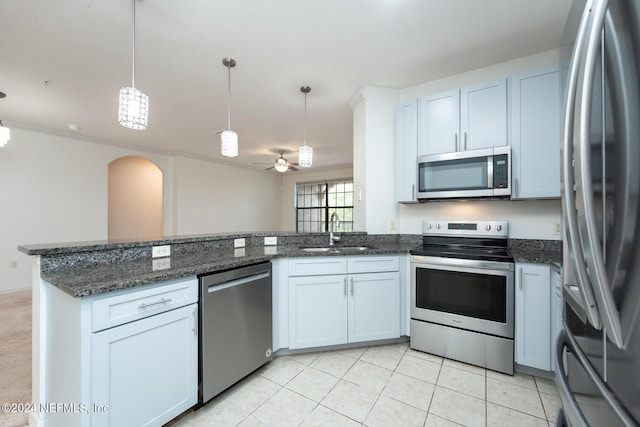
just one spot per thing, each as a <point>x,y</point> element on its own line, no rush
<point>373,264</point>
<point>317,265</point>
<point>132,305</point>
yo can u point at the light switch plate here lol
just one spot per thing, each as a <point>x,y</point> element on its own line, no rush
<point>270,241</point>
<point>161,251</point>
<point>238,243</point>
<point>270,250</point>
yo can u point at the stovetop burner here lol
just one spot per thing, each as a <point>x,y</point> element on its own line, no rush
<point>477,240</point>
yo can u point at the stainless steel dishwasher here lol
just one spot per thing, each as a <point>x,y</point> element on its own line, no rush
<point>235,326</point>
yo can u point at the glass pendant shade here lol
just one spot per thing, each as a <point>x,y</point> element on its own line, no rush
<point>229,143</point>
<point>305,156</point>
<point>133,111</point>
<point>5,135</point>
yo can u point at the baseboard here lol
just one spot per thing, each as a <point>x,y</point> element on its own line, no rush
<point>13,291</point>
<point>34,421</point>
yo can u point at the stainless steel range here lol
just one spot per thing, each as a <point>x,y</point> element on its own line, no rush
<point>462,293</point>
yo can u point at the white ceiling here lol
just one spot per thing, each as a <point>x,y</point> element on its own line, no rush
<point>82,48</point>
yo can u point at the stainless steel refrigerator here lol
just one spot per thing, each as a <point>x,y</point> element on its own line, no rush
<point>598,354</point>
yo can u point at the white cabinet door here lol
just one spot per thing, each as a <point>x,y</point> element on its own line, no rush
<point>535,134</point>
<point>406,151</point>
<point>145,373</point>
<point>374,306</point>
<point>533,315</point>
<point>439,123</point>
<point>483,115</point>
<point>317,311</point>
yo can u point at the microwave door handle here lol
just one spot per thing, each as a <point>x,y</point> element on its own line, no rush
<point>602,289</point>
<point>568,179</point>
<point>490,172</point>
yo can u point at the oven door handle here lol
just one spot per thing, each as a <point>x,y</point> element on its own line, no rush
<point>458,262</point>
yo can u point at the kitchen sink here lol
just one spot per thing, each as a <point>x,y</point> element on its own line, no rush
<point>336,249</point>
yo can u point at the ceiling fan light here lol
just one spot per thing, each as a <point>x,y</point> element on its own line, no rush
<point>133,111</point>
<point>305,156</point>
<point>280,167</point>
<point>229,143</point>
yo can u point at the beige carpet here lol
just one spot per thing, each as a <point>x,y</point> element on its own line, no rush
<point>15,354</point>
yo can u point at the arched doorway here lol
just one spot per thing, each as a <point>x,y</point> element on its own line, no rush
<point>135,199</point>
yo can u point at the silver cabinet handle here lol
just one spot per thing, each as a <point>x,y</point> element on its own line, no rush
<point>351,286</point>
<point>465,141</point>
<point>151,304</point>
<point>195,322</point>
<point>345,286</point>
<point>455,138</point>
<point>515,189</point>
<point>591,245</point>
<point>521,277</point>
<point>413,191</point>
<point>568,177</point>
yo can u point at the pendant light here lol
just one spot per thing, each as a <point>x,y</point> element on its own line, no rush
<point>133,110</point>
<point>5,133</point>
<point>228,138</point>
<point>305,153</point>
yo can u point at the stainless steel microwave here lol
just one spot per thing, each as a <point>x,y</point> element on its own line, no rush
<point>465,174</point>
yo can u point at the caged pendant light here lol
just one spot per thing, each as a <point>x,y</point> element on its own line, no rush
<point>133,110</point>
<point>228,138</point>
<point>305,153</point>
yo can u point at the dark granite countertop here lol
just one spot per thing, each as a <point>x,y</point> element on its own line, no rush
<point>537,251</point>
<point>86,280</point>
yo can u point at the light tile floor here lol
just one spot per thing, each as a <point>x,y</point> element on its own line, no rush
<point>380,386</point>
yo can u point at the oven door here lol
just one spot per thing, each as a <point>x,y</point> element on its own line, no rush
<point>467,294</point>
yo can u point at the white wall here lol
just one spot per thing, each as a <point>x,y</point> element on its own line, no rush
<point>54,189</point>
<point>373,159</point>
<point>288,183</point>
<point>374,120</point>
<point>216,198</point>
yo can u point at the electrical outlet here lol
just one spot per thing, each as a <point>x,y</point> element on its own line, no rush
<point>270,241</point>
<point>392,225</point>
<point>13,264</point>
<point>161,264</point>
<point>270,250</point>
<point>161,251</point>
<point>239,252</point>
<point>556,228</point>
<point>238,243</point>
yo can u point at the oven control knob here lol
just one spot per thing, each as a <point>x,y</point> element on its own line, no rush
<point>437,226</point>
<point>499,227</point>
<point>488,227</point>
<point>429,226</point>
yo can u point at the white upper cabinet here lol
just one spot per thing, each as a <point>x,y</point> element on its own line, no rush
<point>535,134</point>
<point>483,115</point>
<point>406,151</point>
<point>439,123</point>
<point>470,118</point>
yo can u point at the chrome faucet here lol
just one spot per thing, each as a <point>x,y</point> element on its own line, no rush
<point>332,238</point>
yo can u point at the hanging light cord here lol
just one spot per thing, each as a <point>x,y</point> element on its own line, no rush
<point>229,96</point>
<point>133,61</point>
<point>305,118</point>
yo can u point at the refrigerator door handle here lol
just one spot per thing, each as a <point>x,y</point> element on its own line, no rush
<point>601,287</point>
<point>570,406</point>
<point>568,177</point>
<point>566,339</point>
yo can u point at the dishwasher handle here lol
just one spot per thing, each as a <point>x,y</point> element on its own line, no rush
<point>238,282</point>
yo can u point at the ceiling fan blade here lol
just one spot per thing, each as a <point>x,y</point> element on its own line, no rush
<point>269,168</point>
<point>294,164</point>
<point>293,168</point>
<point>262,163</point>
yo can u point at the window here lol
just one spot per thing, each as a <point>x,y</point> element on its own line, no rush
<point>316,202</point>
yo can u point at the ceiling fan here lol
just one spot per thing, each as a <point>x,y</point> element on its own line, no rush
<point>281,164</point>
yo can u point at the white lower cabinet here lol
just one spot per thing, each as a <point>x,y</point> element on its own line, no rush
<point>144,373</point>
<point>129,357</point>
<point>533,315</point>
<point>343,308</point>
